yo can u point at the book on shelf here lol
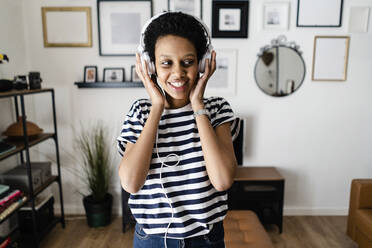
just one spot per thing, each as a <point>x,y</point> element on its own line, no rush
<point>12,197</point>
<point>4,190</point>
<point>12,207</point>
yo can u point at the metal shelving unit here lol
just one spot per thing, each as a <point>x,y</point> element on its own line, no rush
<point>23,149</point>
<point>110,85</point>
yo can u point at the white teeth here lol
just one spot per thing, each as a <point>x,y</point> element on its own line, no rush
<point>177,84</point>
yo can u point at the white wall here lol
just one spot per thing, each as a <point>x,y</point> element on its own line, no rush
<point>318,138</point>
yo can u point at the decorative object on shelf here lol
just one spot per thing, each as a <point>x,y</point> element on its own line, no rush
<point>319,13</point>
<point>191,7</point>
<point>90,74</point>
<point>34,80</point>
<point>358,21</point>
<point>20,82</point>
<point>113,74</point>
<point>133,74</point>
<point>3,57</point>
<point>223,80</point>
<point>15,130</point>
<point>230,19</point>
<point>119,25</point>
<point>96,174</point>
<point>330,58</point>
<point>275,16</point>
<point>6,85</point>
<point>275,77</point>
<point>67,26</point>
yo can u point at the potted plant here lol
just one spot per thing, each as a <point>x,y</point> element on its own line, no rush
<point>96,174</point>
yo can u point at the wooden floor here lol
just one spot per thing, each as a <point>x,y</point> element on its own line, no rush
<point>298,232</point>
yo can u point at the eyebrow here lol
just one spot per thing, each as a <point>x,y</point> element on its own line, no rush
<point>187,55</point>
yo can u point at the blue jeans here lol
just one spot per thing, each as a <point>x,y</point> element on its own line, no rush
<point>214,239</point>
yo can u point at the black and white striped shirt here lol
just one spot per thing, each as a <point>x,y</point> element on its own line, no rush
<point>194,200</point>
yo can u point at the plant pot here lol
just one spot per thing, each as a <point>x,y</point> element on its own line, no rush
<point>98,213</point>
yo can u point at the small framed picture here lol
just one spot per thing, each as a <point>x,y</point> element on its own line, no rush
<point>119,25</point>
<point>330,58</point>
<point>90,74</point>
<point>113,75</point>
<point>133,74</point>
<point>319,13</point>
<point>191,7</point>
<point>230,19</point>
<point>275,16</point>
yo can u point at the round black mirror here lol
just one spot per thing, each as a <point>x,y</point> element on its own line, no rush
<point>280,68</point>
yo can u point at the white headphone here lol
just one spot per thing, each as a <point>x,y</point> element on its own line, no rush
<point>145,58</point>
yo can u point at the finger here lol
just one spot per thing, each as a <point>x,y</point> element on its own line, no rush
<point>213,62</point>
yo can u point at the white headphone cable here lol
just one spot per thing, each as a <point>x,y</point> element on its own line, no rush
<point>161,182</point>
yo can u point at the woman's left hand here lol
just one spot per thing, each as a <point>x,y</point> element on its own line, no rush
<point>197,92</point>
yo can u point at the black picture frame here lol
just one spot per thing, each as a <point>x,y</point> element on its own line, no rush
<point>316,13</point>
<point>133,74</point>
<point>113,78</point>
<point>88,74</point>
<point>230,7</point>
<point>105,8</point>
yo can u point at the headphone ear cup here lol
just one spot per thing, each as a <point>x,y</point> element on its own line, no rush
<point>145,58</point>
<point>202,62</point>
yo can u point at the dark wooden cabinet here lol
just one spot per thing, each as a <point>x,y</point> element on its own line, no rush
<point>260,189</point>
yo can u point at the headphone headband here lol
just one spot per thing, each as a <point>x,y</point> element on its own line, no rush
<point>141,47</point>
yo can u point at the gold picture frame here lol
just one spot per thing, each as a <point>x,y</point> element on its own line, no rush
<point>330,58</point>
<point>67,26</point>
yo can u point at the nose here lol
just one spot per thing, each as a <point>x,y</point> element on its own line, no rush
<point>178,70</point>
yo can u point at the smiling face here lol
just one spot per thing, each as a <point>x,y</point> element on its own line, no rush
<point>177,68</point>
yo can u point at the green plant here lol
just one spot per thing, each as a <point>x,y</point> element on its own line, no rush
<point>96,169</point>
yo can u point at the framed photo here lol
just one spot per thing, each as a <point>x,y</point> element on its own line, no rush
<point>330,58</point>
<point>223,80</point>
<point>113,75</point>
<point>230,19</point>
<point>119,25</point>
<point>358,20</point>
<point>275,16</point>
<point>133,74</point>
<point>67,26</point>
<point>319,13</point>
<point>191,7</point>
<point>90,74</point>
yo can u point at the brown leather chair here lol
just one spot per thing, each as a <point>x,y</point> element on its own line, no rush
<point>244,230</point>
<point>359,224</point>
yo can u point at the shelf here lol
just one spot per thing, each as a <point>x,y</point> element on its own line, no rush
<point>20,146</point>
<point>23,92</point>
<point>109,85</point>
<point>28,198</point>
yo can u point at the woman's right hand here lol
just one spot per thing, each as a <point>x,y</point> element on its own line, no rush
<point>156,95</point>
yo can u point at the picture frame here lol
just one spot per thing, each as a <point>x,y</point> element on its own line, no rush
<point>230,19</point>
<point>276,16</point>
<point>191,7</point>
<point>330,58</point>
<point>67,26</point>
<point>114,74</point>
<point>319,13</point>
<point>133,75</point>
<point>119,25</point>
<point>90,74</point>
<point>223,80</point>
<point>359,19</point>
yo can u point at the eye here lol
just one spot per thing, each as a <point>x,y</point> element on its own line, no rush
<point>166,63</point>
<point>188,62</point>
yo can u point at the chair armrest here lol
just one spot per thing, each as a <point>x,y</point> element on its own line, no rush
<point>360,197</point>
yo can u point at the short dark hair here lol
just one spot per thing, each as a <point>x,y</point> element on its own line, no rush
<point>179,24</point>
